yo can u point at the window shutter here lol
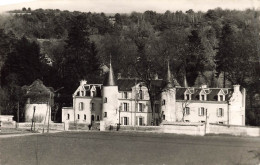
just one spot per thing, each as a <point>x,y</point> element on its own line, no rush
<point>122,95</point>
<point>127,107</point>
<point>127,120</point>
<point>121,107</point>
<point>143,120</point>
<point>199,112</point>
<point>121,121</point>
<point>217,113</point>
<point>136,120</point>
<point>223,112</point>
<point>136,107</point>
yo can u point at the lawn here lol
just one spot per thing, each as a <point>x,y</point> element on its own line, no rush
<point>79,148</point>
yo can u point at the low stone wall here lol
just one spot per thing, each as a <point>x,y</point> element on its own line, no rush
<point>8,124</point>
<point>157,129</point>
<point>183,128</point>
<point>78,126</point>
<point>40,126</point>
<point>234,130</point>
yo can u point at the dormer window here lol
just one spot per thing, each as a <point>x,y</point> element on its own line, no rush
<point>82,93</point>
<point>125,95</point>
<point>187,97</point>
<point>203,97</point>
<point>140,94</point>
<point>221,98</point>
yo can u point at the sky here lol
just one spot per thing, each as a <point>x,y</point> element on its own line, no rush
<point>128,6</point>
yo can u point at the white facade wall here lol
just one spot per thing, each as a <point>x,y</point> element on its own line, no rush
<point>110,105</point>
<point>211,107</point>
<point>80,113</point>
<point>42,112</point>
<point>237,107</point>
<point>168,104</point>
<point>67,114</point>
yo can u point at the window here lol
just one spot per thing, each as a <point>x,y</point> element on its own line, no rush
<point>105,100</point>
<point>140,121</point>
<point>187,97</point>
<point>78,116</point>
<point>125,95</point>
<point>221,122</point>
<point>202,121</point>
<point>98,118</point>
<point>85,117</point>
<point>92,107</point>
<point>221,98</point>
<point>220,112</point>
<point>163,102</point>
<point>201,111</point>
<point>140,107</point>
<point>105,114</point>
<point>81,106</point>
<point>125,121</point>
<point>163,117</point>
<point>187,110</point>
<point>68,116</point>
<point>157,108</point>
<point>140,94</point>
<point>82,93</point>
<point>187,121</point>
<point>126,106</point>
<point>202,97</point>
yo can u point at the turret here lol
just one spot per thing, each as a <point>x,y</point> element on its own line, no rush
<point>110,110</point>
<point>168,99</point>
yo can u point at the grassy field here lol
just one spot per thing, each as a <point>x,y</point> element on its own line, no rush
<point>81,148</point>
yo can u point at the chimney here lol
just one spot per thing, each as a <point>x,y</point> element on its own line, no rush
<point>203,86</point>
<point>83,82</point>
<point>236,88</point>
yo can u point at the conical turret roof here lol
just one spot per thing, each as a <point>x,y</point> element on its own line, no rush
<point>110,78</point>
<point>169,77</point>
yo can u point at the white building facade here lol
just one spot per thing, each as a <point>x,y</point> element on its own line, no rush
<point>126,101</point>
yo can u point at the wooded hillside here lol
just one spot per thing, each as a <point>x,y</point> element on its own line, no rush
<point>218,48</point>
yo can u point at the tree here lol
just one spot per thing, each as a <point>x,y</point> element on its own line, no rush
<point>146,65</point>
<point>80,55</point>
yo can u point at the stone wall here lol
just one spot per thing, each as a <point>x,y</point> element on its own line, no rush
<point>234,130</point>
<point>40,126</point>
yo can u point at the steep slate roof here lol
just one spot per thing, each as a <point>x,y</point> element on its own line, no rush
<point>180,93</point>
<point>196,95</point>
<point>126,84</point>
<point>213,95</point>
<point>110,78</point>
